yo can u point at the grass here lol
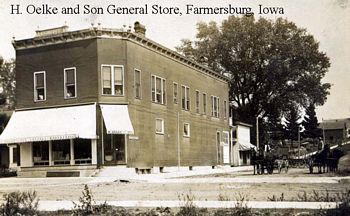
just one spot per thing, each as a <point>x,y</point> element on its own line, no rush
<point>26,203</point>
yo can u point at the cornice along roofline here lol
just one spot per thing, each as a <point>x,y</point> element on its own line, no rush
<point>97,32</point>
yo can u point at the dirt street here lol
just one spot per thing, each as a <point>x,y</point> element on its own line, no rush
<point>258,189</point>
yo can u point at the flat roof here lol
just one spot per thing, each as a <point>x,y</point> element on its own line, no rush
<point>62,35</point>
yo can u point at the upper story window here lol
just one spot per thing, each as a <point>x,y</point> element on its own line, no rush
<point>225,109</point>
<point>112,80</point>
<point>175,92</point>
<point>70,83</point>
<point>185,91</point>
<point>204,103</point>
<point>39,86</point>
<point>137,83</point>
<point>158,89</point>
<point>197,101</point>
<point>215,106</point>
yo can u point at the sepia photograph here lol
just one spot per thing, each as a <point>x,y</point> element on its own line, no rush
<point>175,108</point>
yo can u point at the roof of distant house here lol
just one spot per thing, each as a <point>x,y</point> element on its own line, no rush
<point>335,124</point>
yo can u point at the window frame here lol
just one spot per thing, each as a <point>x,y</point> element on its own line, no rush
<point>215,101</point>
<point>140,88</point>
<point>188,129</point>
<point>198,104</point>
<point>204,102</point>
<point>160,132</point>
<point>113,80</point>
<point>175,98</point>
<point>186,104</point>
<point>162,90</point>
<point>65,80</point>
<point>225,109</point>
<point>34,85</point>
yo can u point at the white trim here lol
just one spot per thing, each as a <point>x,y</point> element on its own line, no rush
<point>65,80</point>
<point>199,101</point>
<point>205,106</point>
<point>227,133</point>
<point>186,97</point>
<point>217,106</point>
<point>34,85</point>
<point>163,100</point>
<point>225,109</point>
<point>161,132</point>
<point>188,129</point>
<point>140,89</point>
<point>177,93</point>
<point>112,79</point>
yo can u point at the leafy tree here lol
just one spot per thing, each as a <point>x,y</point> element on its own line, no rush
<point>292,124</point>
<point>310,123</point>
<point>269,63</point>
<point>7,83</point>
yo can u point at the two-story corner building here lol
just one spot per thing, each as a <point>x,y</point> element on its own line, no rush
<point>101,96</point>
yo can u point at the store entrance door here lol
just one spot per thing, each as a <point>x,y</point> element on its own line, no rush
<point>114,149</point>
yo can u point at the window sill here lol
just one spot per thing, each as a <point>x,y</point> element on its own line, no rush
<point>68,98</point>
<point>39,101</point>
<point>186,136</point>
<point>160,133</point>
<point>110,95</point>
<point>158,103</point>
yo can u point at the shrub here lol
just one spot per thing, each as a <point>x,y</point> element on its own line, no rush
<point>20,203</point>
<point>85,204</point>
<point>188,208</point>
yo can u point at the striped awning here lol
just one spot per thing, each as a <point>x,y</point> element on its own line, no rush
<point>117,120</point>
<point>51,124</point>
<point>245,146</point>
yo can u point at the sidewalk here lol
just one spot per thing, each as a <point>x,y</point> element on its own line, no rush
<point>176,175</point>
<point>108,174</point>
<point>67,205</point>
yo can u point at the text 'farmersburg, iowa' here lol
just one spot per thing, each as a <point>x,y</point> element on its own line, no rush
<point>155,9</point>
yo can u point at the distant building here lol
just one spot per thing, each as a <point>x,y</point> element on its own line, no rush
<point>101,96</point>
<point>241,146</point>
<point>335,131</point>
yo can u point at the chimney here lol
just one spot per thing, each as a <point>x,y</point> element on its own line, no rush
<point>139,28</point>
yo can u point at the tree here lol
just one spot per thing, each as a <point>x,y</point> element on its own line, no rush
<point>269,63</point>
<point>310,123</point>
<point>292,124</point>
<point>7,83</point>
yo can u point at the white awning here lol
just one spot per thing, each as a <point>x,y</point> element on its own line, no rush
<point>117,120</point>
<point>244,146</point>
<point>51,124</point>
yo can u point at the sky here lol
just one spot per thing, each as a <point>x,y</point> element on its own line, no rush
<point>327,20</point>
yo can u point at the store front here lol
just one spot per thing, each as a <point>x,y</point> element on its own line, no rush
<point>54,139</point>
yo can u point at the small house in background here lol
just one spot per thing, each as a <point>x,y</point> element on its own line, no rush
<point>335,131</point>
<point>241,146</point>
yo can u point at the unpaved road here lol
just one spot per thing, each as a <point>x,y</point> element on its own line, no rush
<point>256,188</point>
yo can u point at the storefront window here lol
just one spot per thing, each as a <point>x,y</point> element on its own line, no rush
<point>41,153</point>
<point>61,152</point>
<point>82,151</point>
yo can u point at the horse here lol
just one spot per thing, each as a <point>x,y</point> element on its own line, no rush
<point>282,163</point>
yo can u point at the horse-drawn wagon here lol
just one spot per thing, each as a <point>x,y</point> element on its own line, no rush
<point>270,160</point>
